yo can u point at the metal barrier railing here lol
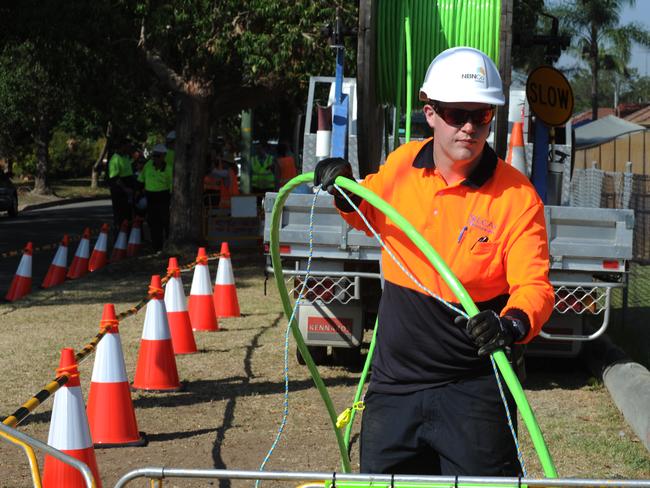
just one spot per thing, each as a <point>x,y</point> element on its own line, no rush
<point>375,480</point>
<point>28,443</point>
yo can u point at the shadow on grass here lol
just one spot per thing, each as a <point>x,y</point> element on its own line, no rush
<point>556,373</point>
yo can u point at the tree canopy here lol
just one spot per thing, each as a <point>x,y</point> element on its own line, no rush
<point>600,39</point>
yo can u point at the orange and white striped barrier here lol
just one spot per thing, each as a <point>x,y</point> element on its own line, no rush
<point>225,299</point>
<point>111,416</point>
<point>21,285</point>
<point>156,367</point>
<point>99,257</point>
<point>79,266</point>
<point>201,306</point>
<point>119,249</point>
<point>177,314</point>
<point>69,431</point>
<point>135,238</point>
<point>56,273</point>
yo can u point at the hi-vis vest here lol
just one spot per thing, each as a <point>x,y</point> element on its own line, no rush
<point>262,173</point>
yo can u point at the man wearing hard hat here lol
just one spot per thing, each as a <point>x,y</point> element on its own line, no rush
<point>433,404</point>
<point>156,177</point>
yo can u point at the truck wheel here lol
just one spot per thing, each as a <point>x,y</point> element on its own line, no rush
<point>348,356</point>
<point>318,354</point>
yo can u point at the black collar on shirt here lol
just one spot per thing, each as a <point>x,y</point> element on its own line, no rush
<point>481,173</point>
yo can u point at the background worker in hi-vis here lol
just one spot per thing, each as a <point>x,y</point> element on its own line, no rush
<point>433,405</point>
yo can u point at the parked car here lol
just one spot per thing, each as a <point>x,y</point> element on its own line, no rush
<point>8,195</point>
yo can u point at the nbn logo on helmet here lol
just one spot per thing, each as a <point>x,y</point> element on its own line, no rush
<point>478,76</point>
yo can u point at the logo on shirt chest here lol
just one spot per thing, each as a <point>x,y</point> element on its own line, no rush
<point>481,223</point>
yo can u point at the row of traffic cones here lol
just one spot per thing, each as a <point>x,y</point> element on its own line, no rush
<point>82,263</point>
<point>109,419</point>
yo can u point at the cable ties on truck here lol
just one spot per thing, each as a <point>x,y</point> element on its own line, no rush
<point>285,413</point>
<point>449,305</point>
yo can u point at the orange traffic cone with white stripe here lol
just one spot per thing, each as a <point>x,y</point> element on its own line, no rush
<point>156,368</point>
<point>119,249</point>
<point>56,273</point>
<point>79,266</point>
<point>21,285</point>
<point>99,257</point>
<point>225,294</point>
<point>111,416</point>
<point>177,314</point>
<point>201,306</point>
<point>135,238</point>
<point>69,431</point>
<point>517,152</point>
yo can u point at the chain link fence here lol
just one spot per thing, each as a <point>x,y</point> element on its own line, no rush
<point>593,187</point>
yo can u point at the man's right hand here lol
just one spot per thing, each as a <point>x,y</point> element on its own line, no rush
<point>328,170</point>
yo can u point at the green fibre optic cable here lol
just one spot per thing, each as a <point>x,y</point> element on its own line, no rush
<point>409,69</point>
<point>446,274</point>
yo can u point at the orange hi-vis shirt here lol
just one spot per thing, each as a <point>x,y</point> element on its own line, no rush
<point>489,229</point>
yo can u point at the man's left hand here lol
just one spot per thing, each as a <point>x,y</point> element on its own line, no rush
<point>489,331</point>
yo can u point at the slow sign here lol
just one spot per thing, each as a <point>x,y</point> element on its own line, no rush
<point>549,95</point>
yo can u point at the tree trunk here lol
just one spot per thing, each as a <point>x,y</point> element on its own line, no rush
<point>98,163</point>
<point>187,203</point>
<point>94,177</point>
<point>41,184</point>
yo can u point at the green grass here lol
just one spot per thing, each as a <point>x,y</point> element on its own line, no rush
<point>61,189</point>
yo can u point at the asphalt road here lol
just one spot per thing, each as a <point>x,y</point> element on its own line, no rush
<point>47,226</point>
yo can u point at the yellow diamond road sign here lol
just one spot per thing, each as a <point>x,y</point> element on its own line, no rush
<point>549,95</point>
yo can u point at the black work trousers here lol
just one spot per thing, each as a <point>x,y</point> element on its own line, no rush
<point>457,429</point>
<point>158,217</point>
<point>121,207</point>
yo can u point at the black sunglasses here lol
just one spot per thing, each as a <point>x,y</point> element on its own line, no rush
<point>458,117</point>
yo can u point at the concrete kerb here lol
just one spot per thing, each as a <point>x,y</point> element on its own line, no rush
<point>62,201</point>
<point>628,383</point>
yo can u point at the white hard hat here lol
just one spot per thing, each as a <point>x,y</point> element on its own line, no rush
<point>462,74</point>
<point>160,149</point>
<point>171,135</point>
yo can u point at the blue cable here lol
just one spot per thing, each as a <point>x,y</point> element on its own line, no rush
<point>285,413</point>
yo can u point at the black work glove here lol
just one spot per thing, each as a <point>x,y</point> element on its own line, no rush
<point>491,332</point>
<point>326,172</point>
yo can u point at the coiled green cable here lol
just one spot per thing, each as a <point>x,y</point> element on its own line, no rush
<point>435,25</point>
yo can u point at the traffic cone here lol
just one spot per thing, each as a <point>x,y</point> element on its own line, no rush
<point>516,152</point>
<point>56,273</point>
<point>135,238</point>
<point>99,257</point>
<point>111,417</point>
<point>69,431</point>
<point>156,367</point>
<point>21,285</point>
<point>79,266</point>
<point>225,294</point>
<point>119,249</point>
<point>177,314</point>
<point>201,306</point>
